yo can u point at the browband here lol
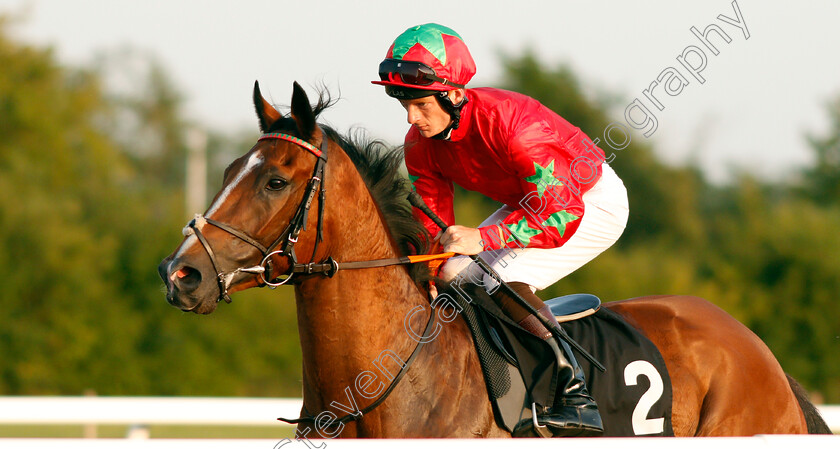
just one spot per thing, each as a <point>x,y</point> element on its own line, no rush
<point>297,140</point>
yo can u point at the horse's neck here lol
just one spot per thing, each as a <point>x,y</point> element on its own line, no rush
<point>353,323</point>
<point>360,326</point>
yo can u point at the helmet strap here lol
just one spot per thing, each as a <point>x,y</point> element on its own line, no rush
<point>454,111</point>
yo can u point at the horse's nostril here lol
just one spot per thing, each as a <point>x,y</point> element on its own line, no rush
<point>187,278</point>
<point>163,269</point>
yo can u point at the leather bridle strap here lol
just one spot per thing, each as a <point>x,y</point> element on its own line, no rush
<point>195,226</point>
<point>239,234</point>
<point>316,184</point>
<point>290,234</point>
<point>330,266</point>
<point>309,419</point>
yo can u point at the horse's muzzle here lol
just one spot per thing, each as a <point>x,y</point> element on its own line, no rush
<point>182,285</point>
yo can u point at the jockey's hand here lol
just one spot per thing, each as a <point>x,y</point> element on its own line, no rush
<point>460,240</point>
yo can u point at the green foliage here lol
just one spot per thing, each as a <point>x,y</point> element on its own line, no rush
<point>822,181</point>
<point>59,176</point>
<point>778,257</point>
<point>89,208</point>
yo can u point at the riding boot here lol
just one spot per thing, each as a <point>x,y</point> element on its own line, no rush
<point>573,413</point>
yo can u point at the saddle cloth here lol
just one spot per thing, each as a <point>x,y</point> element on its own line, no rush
<point>633,394</point>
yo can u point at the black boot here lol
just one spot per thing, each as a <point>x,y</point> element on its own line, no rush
<point>574,413</point>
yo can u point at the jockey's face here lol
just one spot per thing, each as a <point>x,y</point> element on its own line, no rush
<point>427,115</point>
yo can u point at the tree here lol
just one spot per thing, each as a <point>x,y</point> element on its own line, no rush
<point>61,179</point>
<point>822,181</point>
<point>85,217</point>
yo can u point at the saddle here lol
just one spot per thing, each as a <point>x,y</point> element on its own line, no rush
<point>633,394</point>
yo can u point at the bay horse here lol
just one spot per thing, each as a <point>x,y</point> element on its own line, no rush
<point>354,325</point>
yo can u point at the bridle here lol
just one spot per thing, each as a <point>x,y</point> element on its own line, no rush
<point>288,237</point>
<point>328,267</point>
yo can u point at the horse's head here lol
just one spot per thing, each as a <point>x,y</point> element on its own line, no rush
<point>250,232</point>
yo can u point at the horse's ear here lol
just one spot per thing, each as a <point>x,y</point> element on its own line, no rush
<point>266,113</point>
<point>302,112</point>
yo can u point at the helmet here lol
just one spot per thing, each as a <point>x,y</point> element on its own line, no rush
<point>424,60</point>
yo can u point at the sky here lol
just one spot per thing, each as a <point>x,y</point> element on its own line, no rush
<point>762,93</point>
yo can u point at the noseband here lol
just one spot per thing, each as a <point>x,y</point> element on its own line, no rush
<point>288,237</point>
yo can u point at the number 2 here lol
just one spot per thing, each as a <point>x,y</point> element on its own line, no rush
<point>642,425</point>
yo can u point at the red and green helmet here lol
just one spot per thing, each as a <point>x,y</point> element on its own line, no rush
<point>427,57</point>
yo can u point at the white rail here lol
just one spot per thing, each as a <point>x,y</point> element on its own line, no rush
<point>831,415</point>
<point>144,411</point>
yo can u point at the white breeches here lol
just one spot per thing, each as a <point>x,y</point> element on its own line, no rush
<point>605,216</point>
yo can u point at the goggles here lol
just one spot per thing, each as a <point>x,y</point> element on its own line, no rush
<point>411,72</point>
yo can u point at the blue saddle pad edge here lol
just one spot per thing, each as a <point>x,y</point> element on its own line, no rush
<point>573,304</point>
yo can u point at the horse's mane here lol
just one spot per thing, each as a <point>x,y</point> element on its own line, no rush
<point>379,166</point>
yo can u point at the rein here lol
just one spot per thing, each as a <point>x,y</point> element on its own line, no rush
<point>359,414</point>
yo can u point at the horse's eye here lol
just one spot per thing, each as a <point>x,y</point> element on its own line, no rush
<point>276,184</point>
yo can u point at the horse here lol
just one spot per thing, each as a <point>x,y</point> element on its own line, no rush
<point>358,327</point>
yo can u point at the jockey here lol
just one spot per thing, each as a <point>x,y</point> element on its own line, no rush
<point>562,204</point>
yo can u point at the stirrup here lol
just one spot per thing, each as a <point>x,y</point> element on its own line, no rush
<point>541,430</point>
<point>580,421</point>
<point>549,425</point>
<point>531,428</point>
